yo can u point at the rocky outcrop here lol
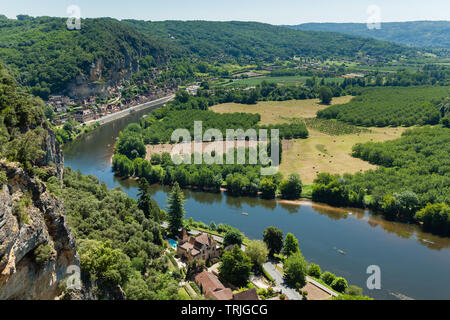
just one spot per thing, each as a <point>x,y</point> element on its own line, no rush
<point>96,82</point>
<point>36,245</point>
<point>53,156</point>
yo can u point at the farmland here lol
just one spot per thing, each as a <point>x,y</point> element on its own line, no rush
<point>286,80</point>
<point>383,107</point>
<point>326,153</point>
<point>329,145</point>
<point>279,111</point>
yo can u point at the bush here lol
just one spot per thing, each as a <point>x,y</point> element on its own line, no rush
<point>295,269</point>
<point>233,237</point>
<point>3,178</point>
<point>328,277</point>
<point>43,253</point>
<point>339,284</point>
<point>353,290</point>
<point>314,270</point>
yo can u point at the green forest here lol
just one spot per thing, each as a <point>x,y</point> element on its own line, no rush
<point>46,57</point>
<point>118,242</point>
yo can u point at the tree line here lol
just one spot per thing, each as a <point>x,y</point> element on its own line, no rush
<point>411,184</point>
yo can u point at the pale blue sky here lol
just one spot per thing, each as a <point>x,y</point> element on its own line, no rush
<point>271,11</point>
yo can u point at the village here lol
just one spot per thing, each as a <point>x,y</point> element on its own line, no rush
<point>199,247</point>
<point>93,108</point>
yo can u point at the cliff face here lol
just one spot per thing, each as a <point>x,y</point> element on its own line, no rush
<point>36,245</point>
<point>96,82</point>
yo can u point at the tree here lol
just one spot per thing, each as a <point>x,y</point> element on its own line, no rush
<point>176,209</point>
<point>146,203</point>
<point>131,145</point>
<point>435,217</point>
<point>194,267</point>
<point>325,95</point>
<point>235,267</point>
<point>268,188</point>
<point>314,270</point>
<point>110,265</point>
<point>339,284</point>
<point>328,277</point>
<point>291,188</point>
<point>290,245</point>
<point>273,237</point>
<point>233,237</point>
<point>257,251</point>
<point>295,269</point>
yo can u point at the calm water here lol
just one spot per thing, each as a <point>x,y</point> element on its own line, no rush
<point>413,264</point>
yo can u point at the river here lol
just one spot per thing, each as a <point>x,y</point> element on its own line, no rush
<point>413,264</point>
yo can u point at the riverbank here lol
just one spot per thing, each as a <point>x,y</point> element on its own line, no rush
<point>403,251</point>
<point>126,112</point>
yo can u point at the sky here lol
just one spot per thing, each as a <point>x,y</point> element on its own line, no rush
<point>269,11</point>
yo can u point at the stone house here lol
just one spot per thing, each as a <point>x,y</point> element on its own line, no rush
<point>202,246</point>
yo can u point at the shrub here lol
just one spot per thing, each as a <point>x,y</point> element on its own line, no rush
<point>3,178</point>
<point>295,269</point>
<point>328,277</point>
<point>339,284</point>
<point>43,253</point>
<point>353,290</point>
<point>314,270</point>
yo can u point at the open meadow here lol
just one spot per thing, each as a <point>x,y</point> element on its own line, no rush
<point>321,151</point>
<point>279,111</point>
<point>326,153</point>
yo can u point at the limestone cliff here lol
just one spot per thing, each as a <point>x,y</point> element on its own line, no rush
<point>36,245</point>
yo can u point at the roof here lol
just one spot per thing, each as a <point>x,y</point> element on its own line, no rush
<point>222,294</point>
<point>246,295</point>
<point>208,281</point>
<point>202,239</point>
<point>186,246</point>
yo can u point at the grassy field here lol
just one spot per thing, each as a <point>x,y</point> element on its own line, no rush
<point>279,111</point>
<point>325,153</point>
<point>280,80</point>
<point>321,152</point>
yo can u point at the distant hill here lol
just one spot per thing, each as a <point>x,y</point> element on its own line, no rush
<point>426,34</point>
<point>44,55</point>
<point>246,41</point>
<point>47,58</point>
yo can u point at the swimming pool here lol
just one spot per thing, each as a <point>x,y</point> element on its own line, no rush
<point>173,243</point>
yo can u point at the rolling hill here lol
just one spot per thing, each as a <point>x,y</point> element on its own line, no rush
<point>427,34</point>
<point>47,58</point>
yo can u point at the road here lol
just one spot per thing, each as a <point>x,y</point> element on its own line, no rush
<point>120,114</point>
<point>280,283</point>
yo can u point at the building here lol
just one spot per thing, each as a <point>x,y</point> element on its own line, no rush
<point>212,287</point>
<point>84,115</point>
<point>202,246</point>
<point>246,295</point>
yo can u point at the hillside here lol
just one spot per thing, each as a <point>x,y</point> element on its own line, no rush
<point>252,41</point>
<point>427,34</point>
<point>44,55</point>
<point>37,246</point>
<point>49,59</point>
